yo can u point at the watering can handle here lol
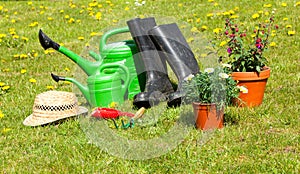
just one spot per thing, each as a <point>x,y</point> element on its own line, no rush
<point>110,33</point>
<point>124,68</point>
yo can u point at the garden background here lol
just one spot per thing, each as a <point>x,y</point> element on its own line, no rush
<point>264,139</point>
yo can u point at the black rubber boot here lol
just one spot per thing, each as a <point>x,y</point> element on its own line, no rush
<point>178,54</point>
<point>158,84</point>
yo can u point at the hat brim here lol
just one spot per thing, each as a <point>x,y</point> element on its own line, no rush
<point>31,120</point>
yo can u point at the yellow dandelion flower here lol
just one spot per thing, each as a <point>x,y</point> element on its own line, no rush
<point>49,87</point>
<point>127,8</point>
<point>5,130</point>
<point>12,32</point>
<point>71,20</point>
<point>190,20</point>
<point>204,27</point>
<point>194,30</point>
<point>81,11</point>
<point>32,80</point>
<point>93,4</point>
<point>198,20</point>
<point>67,82</point>
<point>2,84</point>
<point>255,16</point>
<point>42,12</point>
<point>291,32</point>
<point>98,15</point>
<point>100,5</point>
<point>35,54</point>
<point>78,20</point>
<point>210,15</point>
<point>217,30</point>
<point>203,55</point>
<point>1,114</point>
<point>283,4</point>
<point>24,38</point>
<point>5,70</point>
<point>93,34</point>
<point>23,56</point>
<point>13,21</point>
<point>2,35</point>
<point>236,9</point>
<point>272,44</point>
<point>267,13</point>
<point>231,12</point>
<point>16,37</point>
<point>267,5</point>
<point>5,88</point>
<point>67,69</point>
<point>113,104</point>
<point>33,24</point>
<point>210,0</point>
<point>288,26</point>
<point>223,43</point>
<point>61,11</point>
<point>233,16</point>
<point>216,4</point>
<point>80,38</point>
<point>190,40</point>
<point>180,5</point>
<point>73,6</point>
<point>48,51</point>
<point>1,7</point>
<point>285,19</point>
<point>297,4</point>
<point>50,19</point>
<point>114,20</point>
<point>23,71</point>
<point>226,13</point>
<point>67,17</point>
<point>29,3</point>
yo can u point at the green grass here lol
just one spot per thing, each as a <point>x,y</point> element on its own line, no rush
<point>257,140</point>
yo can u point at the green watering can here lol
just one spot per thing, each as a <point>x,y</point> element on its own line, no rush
<point>105,70</point>
<point>104,88</point>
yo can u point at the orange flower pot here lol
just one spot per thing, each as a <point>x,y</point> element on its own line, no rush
<point>255,83</point>
<point>207,117</point>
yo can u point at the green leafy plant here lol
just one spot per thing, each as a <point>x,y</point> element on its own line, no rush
<point>245,52</point>
<point>213,85</point>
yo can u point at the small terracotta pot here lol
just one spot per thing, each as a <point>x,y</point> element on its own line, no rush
<point>207,116</point>
<point>255,83</point>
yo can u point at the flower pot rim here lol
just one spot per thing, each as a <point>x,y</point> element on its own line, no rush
<point>252,76</point>
<point>200,103</point>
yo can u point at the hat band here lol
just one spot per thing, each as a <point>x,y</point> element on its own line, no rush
<point>55,108</point>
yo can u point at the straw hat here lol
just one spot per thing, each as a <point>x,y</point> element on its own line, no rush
<point>51,106</point>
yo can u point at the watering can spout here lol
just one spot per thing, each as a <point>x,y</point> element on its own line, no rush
<point>46,42</point>
<point>84,90</point>
<point>88,67</point>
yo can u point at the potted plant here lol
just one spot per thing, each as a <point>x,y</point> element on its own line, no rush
<point>210,92</point>
<point>244,56</point>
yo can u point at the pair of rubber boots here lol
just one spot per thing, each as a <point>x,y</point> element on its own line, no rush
<point>156,45</point>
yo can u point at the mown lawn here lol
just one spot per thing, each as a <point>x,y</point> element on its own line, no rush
<point>264,139</point>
